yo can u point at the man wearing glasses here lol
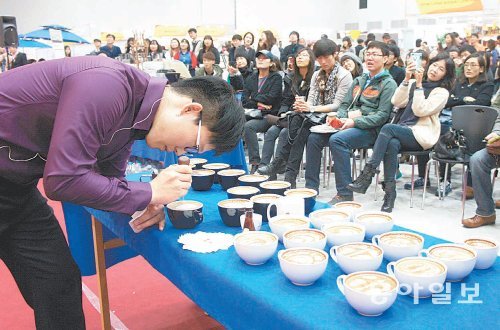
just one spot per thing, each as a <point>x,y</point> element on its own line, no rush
<point>72,122</point>
<point>364,110</point>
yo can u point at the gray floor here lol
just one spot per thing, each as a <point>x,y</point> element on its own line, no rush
<point>439,218</point>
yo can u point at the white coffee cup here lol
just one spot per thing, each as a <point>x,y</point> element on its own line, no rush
<point>311,238</point>
<point>399,244</point>
<point>323,217</point>
<point>344,232</point>
<point>459,259</point>
<point>287,205</point>
<point>486,249</point>
<point>257,221</point>
<point>303,266</point>
<point>255,247</point>
<point>280,224</point>
<point>419,277</point>
<point>356,257</point>
<point>353,208</point>
<point>369,293</point>
<point>375,222</point>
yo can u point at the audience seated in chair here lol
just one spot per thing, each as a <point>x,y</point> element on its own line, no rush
<point>364,110</point>
<point>263,91</point>
<point>329,85</point>
<point>417,128</point>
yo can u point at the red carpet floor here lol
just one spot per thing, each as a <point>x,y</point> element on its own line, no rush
<point>140,297</point>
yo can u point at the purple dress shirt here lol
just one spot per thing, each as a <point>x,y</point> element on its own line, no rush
<point>67,116</point>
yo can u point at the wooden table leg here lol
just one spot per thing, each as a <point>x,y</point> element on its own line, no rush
<point>100,266</point>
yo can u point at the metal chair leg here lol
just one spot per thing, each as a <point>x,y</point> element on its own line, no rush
<point>324,166</point>
<point>412,157</point>
<point>426,178</point>
<point>464,184</point>
<point>330,162</point>
<point>375,188</point>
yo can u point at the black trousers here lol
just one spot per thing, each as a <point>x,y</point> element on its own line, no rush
<point>33,247</point>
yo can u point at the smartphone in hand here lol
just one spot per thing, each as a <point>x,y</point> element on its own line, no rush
<point>417,59</point>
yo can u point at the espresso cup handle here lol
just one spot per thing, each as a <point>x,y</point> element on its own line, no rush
<point>269,210</point>
<point>340,283</point>
<point>423,253</point>
<point>375,239</point>
<point>280,252</point>
<point>333,254</point>
<point>390,268</point>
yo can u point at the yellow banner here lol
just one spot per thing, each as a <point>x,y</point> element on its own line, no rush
<point>213,30</point>
<point>171,31</point>
<point>447,6</point>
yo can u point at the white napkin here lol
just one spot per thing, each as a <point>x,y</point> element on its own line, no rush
<point>203,242</point>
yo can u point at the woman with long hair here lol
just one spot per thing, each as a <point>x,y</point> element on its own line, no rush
<point>155,51</point>
<point>175,48</point>
<point>353,64</point>
<point>67,51</point>
<point>186,56</point>
<point>208,46</point>
<point>130,44</point>
<point>418,127</point>
<point>268,42</point>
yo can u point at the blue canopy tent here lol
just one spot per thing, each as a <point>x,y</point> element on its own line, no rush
<point>44,33</point>
<point>29,43</point>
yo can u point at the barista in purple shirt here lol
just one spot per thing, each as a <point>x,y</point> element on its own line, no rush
<point>72,121</point>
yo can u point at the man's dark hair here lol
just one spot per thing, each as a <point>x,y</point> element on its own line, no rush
<point>386,36</point>
<point>192,30</point>
<point>453,49</point>
<point>221,114</point>
<point>467,48</point>
<point>475,35</point>
<point>370,37</point>
<point>449,78</point>
<point>418,43</point>
<point>237,37</point>
<point>296,33</point>
<point>324,47</point>
<point>359,41</point>
<point>380,45</point>
<point>394,49</point>
<point>97,40</point>
<point>110,35</point>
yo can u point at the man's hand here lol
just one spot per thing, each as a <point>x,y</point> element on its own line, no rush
<point>263,106</point>
<point>492,137</point>
<point>348,123</point>
<point>300,105</point>
<point>171,184</point>
<point>154,214</point>
<point>419,75</point>
<point>410,69</point>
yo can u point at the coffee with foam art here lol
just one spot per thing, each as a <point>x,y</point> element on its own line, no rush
<point>216,166</point>
<point>290,222</point>
<point>451,253</point>
<point>275,185</point>
<point>370,283</point>
<point>231,172</point>
<point>262,238</point>
<point>400,239</point>
<point>343,230</point>
<point>420,267</point>
<point>186,206</point>
<point>303,256</point>
<point>253,178</point>
<point>480,243</point>
<point>305,235</point>
<point>265,198</point>
<point>359,251</point>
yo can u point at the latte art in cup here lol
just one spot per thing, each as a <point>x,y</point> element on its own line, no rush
<point>480,243</point>
<point>197,161</point>
<point>265,199</point>
<point>451,253</point>
<point>253,178</point>
<point>202,172</point>
<point>275,185</point>
<point>400,239</point>
<point>303,193</point>
<point>370,283</point>
<point>186,206</point>
<point>374,218</point>
<point>290,222</point>
<point>260,239</point>
<point>420,267</point>
<point>243,190</point>
<point>359,251</point>
<point>231,172</point>
<point>236,203</point>
<point>344,230</point>
<point>305,235</point>
<point>304,256</point>
<point>216,166</point>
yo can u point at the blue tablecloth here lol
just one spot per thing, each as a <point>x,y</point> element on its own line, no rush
<point>236,157</point>
<point>260,297</point>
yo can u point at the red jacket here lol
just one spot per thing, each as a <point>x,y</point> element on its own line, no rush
<point>194,60</point>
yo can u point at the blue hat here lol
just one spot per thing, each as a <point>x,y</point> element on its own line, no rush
<point>266,53</point>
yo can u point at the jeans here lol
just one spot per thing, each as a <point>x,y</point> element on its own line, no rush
<point>341,145</point>
<point>390,141</point>
<point>270,138</point>
<point>33,247</point>
<point>481,164</point>
<point>252,127</point>
<point>293,150</point>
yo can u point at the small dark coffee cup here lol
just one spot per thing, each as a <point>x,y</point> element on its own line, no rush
<point>253,180</point>
<point>202,179</point>
<point>275,187</point>
<point>309,196</point>
<point>198,163</point>
<point>185,214</point>
<point>245,192</point>
<point>229,178</point>
<point>261,202</point>
<point>230,210</point>
<point>216,167</point>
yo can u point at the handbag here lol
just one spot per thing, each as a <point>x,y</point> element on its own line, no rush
<point>451,146</point>
<point>277,120</point>
<point>314,118</point>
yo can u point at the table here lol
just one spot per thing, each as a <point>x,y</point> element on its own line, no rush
<point>260,297</point>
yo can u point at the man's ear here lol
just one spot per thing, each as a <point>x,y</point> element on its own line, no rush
<point>191,108</point>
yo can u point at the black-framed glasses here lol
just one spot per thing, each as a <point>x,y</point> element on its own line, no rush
<point>195,149</point>
<point>373,55</point>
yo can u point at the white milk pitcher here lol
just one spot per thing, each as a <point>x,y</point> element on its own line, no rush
<point>287,205</point>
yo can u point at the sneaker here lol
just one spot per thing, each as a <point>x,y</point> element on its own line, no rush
<point>447,189</point>
<point>418,184</point>
<point>338,199</point>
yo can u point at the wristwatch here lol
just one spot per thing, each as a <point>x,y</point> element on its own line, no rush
<point>312,109</point>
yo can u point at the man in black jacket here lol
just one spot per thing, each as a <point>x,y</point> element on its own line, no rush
<point>292,48</point>
<point>18,58</point>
